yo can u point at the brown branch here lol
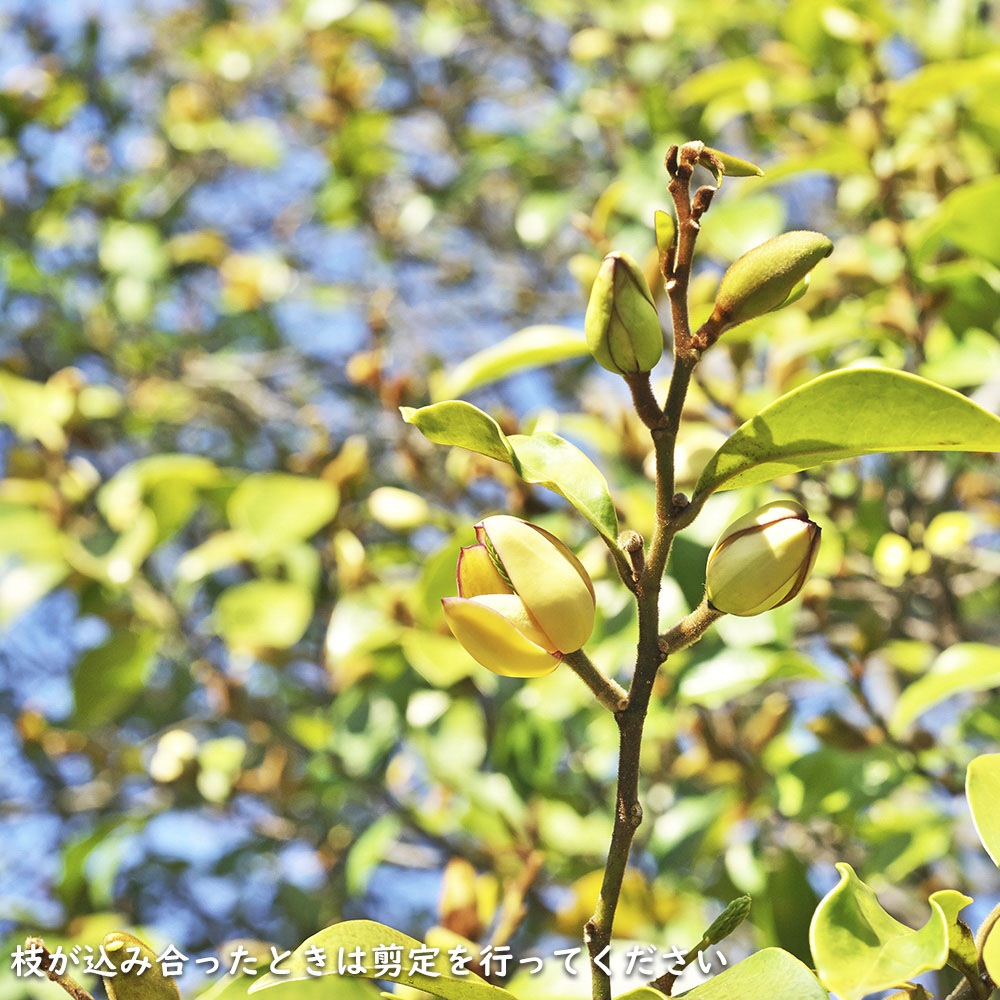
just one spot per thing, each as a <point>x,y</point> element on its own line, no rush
<point>609,693</point>
<point>73,988</point>
<point>663,425</point>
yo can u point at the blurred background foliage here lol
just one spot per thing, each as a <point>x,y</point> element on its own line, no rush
<point>235,236</point>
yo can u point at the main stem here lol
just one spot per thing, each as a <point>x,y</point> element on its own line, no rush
<point>663,425</point>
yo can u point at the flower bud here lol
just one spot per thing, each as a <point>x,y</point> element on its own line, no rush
<point>766,277</point>
<point>524,599</point>
<point>762,559</point>
<point>623,328</point>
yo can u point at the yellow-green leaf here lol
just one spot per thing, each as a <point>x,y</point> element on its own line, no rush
<point>859,949</point>
<point>844,414</point>
<point>263,614</point>
<point>541,458</point>
<point>275,508</point>
<point>771,974</point>
<point>982,789</point>
<point>966,666</point>
<point>368,935</point>
<point>531,347</point>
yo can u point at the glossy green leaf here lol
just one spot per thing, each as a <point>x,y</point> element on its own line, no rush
<point>275,508</point>
<point>110,677</point>
<point>271,614</point>
<point>461,425</point>
<point>845,414</point>
<point>368,935</point>
<point>542,458</point>
<point>859,949</point>
<point>643,993</point>
<point>771,974</point>
<point>964,667</point>
<point>982,789</point>
<point>148,984</point>
<point>531,347</point>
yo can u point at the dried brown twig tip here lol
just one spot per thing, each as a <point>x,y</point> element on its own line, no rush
<point>701,201</point>
<point>74,989</point>
<point>670,162</point>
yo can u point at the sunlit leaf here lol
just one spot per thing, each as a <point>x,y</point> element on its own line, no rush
<point>771,974</point>
<point>542,458</point>
<point>967,666</point>
<point>368,936</point>
<point>859,949</point>
<point>982,789</point>
<point>844,414</point>
<point>275,508</point>
<point>531,347</point>
<point>262,614</point>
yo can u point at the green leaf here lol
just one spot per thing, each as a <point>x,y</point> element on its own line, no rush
<point>531,347</point>
<point>771,974</point>
<point>991,953</point>
<point>461,425</point>
<point>859,949</point>
<point>110,677</point>
<point>552,462</point>
<point>275,508</point>
<point>860,411</point>
<point>263,614</point>
<point>368,935</point>
<point>542,458</point>
<point>966,666</point>
<point>968,218</point>
<point>982,789</point>
<point>643,993</point>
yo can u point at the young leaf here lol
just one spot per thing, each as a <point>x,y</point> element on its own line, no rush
<point>643,993</point>
<point>982,789</point>
<point>844,414</point>
<point>368,935</point>
<point>771,974</point>
<point>542,458</point>
<point>859,949</point>
<point>966,666</point>
<point>531,347</point>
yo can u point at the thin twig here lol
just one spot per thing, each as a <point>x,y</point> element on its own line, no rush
<point>689,630</point>
<point>609,693</point>
<point>73,988</point>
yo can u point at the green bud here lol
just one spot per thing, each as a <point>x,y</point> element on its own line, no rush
<point>728,920</point>
<point>623,328</point>
<point>766,277</point>
<point>762,559</point>
<point>147,984</point>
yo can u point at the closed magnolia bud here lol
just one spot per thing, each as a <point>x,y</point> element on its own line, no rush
<point>139,975</point>
<point>524,599</point>
<point>623,328</point>
<point>766,278</point>
<point>762,559</point>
